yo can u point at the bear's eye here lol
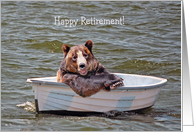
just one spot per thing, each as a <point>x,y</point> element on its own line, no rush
<point>74,57</point>
<point>85,55</point>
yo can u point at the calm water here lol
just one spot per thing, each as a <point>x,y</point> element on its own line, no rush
<point>148,43</point>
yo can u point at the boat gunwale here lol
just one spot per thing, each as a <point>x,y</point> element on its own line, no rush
<point>138,87</point>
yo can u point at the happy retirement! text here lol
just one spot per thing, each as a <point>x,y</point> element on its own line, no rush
<point>83,21</point>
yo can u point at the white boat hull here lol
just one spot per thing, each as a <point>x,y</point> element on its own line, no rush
<point>53,96</point>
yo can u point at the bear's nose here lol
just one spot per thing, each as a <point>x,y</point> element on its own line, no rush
<point>82,65</point>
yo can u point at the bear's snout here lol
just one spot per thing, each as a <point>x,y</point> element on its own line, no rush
<point>82,69</point>
<point>82,65</point>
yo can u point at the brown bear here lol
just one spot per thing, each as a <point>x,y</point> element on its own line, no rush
<point>83,73</point>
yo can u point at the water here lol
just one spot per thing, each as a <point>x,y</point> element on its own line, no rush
<point>148,43</point>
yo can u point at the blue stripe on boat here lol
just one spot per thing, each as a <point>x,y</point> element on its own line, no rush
<point>124,102</point>
<point>64,100</point>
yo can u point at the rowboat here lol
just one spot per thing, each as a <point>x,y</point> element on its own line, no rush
<point>138,92</point>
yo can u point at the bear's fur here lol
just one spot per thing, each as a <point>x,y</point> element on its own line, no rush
<point>83,73</point>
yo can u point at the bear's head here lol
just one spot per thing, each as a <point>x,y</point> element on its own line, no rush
<point>79,59</point>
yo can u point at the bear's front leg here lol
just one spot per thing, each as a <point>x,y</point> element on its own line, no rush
<point>89,85</point>
<point>69,78</point>
<point>113,81</point>
<point>83,86</point>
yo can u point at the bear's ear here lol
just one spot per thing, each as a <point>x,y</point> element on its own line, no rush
<point>89,45</point>
<point>65,49</point>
